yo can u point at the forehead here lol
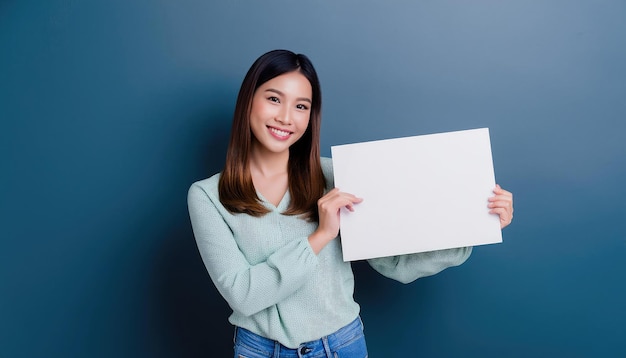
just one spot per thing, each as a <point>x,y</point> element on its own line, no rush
<point>290,83</point>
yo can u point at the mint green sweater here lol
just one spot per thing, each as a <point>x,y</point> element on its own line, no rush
<point>275,284</point>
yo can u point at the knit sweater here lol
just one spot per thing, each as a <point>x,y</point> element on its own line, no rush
<point>272,279</point>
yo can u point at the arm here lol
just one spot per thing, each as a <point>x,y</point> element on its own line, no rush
<point>247,288</point>
<point>408,268</point>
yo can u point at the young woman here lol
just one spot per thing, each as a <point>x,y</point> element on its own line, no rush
<point>267,225</point>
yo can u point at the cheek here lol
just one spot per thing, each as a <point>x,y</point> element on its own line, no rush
<point>256,111</point>
<point>303,121</point>
<point>261,109</point>
<point>302,126</point>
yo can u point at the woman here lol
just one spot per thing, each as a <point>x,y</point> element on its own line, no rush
<point>267,225</point>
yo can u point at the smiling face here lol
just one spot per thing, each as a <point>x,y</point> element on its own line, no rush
<point>280,112</point>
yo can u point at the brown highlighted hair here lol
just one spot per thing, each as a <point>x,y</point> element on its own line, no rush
<point>306,179</point>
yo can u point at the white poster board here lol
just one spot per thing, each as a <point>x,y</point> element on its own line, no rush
<point>421,193</point>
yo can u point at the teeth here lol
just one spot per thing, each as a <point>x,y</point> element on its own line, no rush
<point>279,132</point>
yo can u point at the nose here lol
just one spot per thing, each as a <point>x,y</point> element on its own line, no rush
<point>283,116</point>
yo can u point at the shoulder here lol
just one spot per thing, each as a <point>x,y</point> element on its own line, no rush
<point>327,169</point>
<point>205,187</point>
<point>327,164</point>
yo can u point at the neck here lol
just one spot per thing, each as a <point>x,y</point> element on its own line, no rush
<point>268,163</point>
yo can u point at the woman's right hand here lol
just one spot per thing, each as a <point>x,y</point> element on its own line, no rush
<point>328,207</point>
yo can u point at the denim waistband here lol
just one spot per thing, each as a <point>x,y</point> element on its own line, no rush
<point>316,348</point>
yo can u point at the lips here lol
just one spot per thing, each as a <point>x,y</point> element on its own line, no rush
<point>279,133</point>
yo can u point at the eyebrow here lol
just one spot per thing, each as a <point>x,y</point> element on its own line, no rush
<point>282,94</point>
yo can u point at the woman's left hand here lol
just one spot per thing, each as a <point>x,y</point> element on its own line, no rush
<point>502,204</point>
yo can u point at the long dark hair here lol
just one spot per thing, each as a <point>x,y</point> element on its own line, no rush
<point>306,179</point>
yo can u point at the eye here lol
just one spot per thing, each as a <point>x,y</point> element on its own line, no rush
<point>273,99</point>
<point>302,107</point>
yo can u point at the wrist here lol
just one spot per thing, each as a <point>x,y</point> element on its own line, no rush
<point>318,240</point>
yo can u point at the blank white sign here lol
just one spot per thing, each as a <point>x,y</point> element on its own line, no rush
<point>421,193</point>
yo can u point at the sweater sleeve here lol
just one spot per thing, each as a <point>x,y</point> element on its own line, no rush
<point>408,268</point>
<point>247,288</point>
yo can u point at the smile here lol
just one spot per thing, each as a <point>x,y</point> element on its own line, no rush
<point>279,133</point>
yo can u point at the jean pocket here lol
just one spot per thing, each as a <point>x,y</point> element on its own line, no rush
<point>246,352</point>
<point>355,348</point>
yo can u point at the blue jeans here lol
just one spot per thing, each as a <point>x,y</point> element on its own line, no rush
<point>347,342</point>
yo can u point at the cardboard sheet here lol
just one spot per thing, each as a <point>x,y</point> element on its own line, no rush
<point>421,193</point>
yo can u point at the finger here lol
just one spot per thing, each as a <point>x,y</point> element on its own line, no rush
<point>328,196</point>
<point>500,204</point>
<point>334,203</point>
<point>501,197</point>
<point>335,192</point>
<point>505,218</point>
<point>496,198</point>
<point>347,201</point>
<point>331,193</point>
<point>346,196</point>
<point>502,193</point>
<point>498,190</point>
<point>502,212</point>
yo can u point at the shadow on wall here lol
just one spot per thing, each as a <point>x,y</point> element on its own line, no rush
<point>193,319</point>
<point>194,316</point>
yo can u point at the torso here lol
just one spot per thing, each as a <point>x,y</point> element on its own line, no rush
<point>272,188</point>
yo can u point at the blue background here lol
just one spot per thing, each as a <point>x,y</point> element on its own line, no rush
<point>111,109</point>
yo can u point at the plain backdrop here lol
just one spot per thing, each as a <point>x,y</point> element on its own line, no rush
<point>109,110</point>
